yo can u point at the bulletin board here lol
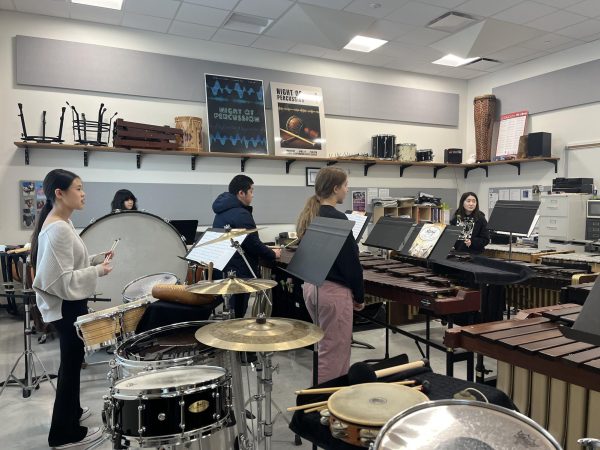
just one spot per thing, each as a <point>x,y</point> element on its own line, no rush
<point>514,193</point>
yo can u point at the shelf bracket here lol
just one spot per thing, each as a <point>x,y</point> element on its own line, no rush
<point>138,160</point>
<point>367,165</point>
<point>555,162</point>
<point>331,163</point>
<point>288,163</point>
<point>404,166</point>
<point>436,169</point>
<point>517,165</point>
<point>243,163</point>
<point>26,156</point>
<point>468,169</point>
<point>193,162</point>
<point>86,158</point>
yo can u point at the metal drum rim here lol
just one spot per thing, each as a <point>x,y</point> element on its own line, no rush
<point>141,278</point>
<point>106,315</point>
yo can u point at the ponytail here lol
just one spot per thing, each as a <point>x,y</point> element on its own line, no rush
<point>39,222</point>
<point>310,211</point>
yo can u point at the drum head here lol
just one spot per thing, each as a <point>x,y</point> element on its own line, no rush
<point>148,245</point>
<point>462,425</point>
<point>142,287</point>
<point>169,380</point>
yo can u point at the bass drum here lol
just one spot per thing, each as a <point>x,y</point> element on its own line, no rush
<point>148,245</point>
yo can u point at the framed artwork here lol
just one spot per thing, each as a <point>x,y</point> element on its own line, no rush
<point>311,175</point>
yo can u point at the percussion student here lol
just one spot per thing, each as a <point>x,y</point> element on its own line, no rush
<point>233,208</point>
<point>343,289</point>
<point>475,235</point>
<point>124,200</point>
<point>65,276</point>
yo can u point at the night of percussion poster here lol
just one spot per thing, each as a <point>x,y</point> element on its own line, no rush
<point>236,115</point>
<point>298,120</point>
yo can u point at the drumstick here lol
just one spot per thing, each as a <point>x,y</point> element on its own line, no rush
<point>112,249</point>
<point>297,137</point>
<point>315,409</point>
<point>307,406</point>
<point>210,270</point>
<point>331,390</point>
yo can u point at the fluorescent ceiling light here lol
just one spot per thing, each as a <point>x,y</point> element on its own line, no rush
<point>454,61</point>
<point>364,44</point>
<point>111,4</point>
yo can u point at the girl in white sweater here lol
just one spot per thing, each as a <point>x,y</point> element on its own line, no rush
<point>65,277</point>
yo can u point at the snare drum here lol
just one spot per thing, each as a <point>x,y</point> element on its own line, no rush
<point>172,406</point>
<point>106,327</point>
<point>169,346</point>
<point>357,413</point>
<point>462,424</point>
<point>141,287</point>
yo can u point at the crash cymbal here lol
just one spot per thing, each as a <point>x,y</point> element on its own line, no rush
<point>259,334</point>
<point>233,233</point>
<point>231,285</point>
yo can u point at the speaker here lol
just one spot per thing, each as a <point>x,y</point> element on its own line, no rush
<point>538,145</point>
<point>453,156</point>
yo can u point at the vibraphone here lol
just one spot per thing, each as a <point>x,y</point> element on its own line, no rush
<point>552,379</point>
<point>590,262</point>
<point>518,253</point>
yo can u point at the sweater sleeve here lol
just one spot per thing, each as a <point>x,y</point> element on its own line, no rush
<point>59,277</point>
<point>482,237</point>
<point>356,273</point>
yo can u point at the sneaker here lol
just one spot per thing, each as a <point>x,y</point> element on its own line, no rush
<point>85,414</point>
<point>93,434</point>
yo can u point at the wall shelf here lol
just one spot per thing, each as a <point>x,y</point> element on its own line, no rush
<point>367,163</point>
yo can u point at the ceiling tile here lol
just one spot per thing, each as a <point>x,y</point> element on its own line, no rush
<point>96,14</point>
<point>331,4</point>
<point>365,7</point>
<point>388,30</point>
<point>142,22</point>
<point>157,8</point>
<point>308,50</point>
<point>413,52</point>
<point>567,45</point>
<point>461,72</point>
<point>373,59</point>
<point>444,3</point>
<point>535,55</point>
<point>426,68</point>
<point>222,4</point>
<point>234,37</point>
<point>512,53</point>
<point>556,21</point>
<point>483,65</point>
<point>423,36</point>
<point>341,55</point>
<point>559,3</point>
<point>276,45</point>
<point>588,8</point>
<point>546,42</point>
<point>584,30</point>
<point>58,8</point>
<point>486,8</point>
<point>264,8</point>
<point>415,13</point>
<point>201,15</point>
<point>7,4</point>
<point>525,12</point>
<point>192,30</point>
<point>401,64</point>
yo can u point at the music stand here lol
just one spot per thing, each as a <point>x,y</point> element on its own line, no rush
<point>312,261</point>
<point>390,233</point>
<point>586,327</point>
<point>514,217</point>
<point>361,220</point>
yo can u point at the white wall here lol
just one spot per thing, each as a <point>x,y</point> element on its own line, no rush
<point>567,126</point>
<point>344,135</point>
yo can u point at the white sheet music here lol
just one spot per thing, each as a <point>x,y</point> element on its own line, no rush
<point>218,253</point>
<point>359,222</point>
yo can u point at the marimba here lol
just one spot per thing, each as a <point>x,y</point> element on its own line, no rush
<point>518,253</point>
<point>589,262</point>
<point>552,379</point>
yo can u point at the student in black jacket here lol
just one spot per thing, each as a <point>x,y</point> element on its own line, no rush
<point>343,289</point>
<point>233,208</point>
<point>475,235</point>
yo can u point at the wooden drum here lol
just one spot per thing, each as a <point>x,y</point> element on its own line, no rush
<point>177,293</point>
<point>192,133</point>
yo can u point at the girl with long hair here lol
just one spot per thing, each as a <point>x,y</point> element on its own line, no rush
<point>65,277</point>
<point>343,288</point>
<point>475,235</point>
<point>124,200</point>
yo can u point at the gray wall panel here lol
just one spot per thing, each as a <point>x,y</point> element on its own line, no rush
<point>572,86</point>
<point>51,63</point>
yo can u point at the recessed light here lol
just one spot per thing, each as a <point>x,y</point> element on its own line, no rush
<point>454,61</point>
<point>111,4</point>
<point>364,44</point>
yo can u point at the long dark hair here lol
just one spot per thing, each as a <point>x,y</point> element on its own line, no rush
<point>460,211</point>
<point>55,179</point>
<point>121,196</point>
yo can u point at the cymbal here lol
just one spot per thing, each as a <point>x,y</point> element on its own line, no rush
<point>233,233</point>
<point>231,285</point>
<point>259,334</point>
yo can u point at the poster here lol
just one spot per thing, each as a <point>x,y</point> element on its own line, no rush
<point>32,201</point>
<point>359,200</point>
<point>298,120</point>
<point>236,115</point>
<point>512,127</point>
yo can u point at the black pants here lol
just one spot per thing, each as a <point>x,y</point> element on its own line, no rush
<point>239,304</point>
<point>65,426</point>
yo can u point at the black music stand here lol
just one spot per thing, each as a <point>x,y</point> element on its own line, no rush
<point>587,326</point>
<point>390,233</point>
<point>312,261</point>
<point>513,217</point>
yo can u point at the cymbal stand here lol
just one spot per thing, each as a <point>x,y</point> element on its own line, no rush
<point>264,297</point>
<point>239,407</point>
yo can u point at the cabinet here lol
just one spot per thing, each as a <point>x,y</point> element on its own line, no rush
<point>407,208</point>
<point>562,216</point>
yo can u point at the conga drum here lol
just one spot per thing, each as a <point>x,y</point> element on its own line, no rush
<point>484,108</point>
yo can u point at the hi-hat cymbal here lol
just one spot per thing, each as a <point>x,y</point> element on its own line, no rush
<point>259,334</point>
<point>233,233</point>
<point>231,285</point>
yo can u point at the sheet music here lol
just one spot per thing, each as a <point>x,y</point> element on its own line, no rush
<point>218,253</point>
<point>359,222</point>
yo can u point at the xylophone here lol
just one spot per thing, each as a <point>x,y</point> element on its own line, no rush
<point>589,262</point>
<point>518,253</point>
<point>550,378</point>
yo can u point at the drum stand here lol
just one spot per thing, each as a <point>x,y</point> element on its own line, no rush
<point>264,298</point>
